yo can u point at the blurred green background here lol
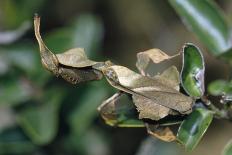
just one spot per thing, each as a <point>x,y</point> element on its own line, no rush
<point>41,114</point>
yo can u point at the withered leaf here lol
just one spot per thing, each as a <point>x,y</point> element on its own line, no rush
<point>155,55</point>
<point>131,82</point>
<point>73,65</point>
<point>170,77</point>
<point>116,111</point>
<point>162,133</point>
<point>148,108</point>
<point>49,60</point>
<point>75,57</point>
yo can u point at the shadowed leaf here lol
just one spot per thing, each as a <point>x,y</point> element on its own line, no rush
<point>13,141</point>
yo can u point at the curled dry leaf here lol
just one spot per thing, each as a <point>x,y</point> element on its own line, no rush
<point>155,55</point>
<point>73,65</point>
<point>146,90</point>
<point>170,77</point>
<point>75,58</point>
<point>162,133</point>
<point>119,112</point>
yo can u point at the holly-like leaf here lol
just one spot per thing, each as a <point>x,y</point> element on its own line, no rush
<point>119,111</point>
<point>193,127</point>
<point>205,19</point>
<point>193,71</point>
<point>155,55</point>
<point>152,89</point>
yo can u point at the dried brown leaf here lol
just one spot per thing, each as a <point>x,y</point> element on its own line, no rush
<point>170,77</point>
<point>75,57</point>
<point>131,82</point>
<point>155,55</point>
<point>149,109</point>
<point>162,133</point>
<point>73,65</point>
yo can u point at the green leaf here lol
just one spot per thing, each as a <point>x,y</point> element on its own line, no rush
<point>220,87</point>
<point>228,149</point>
<point>11,9</point>
<point>13,141</point>
<point>14,91</point>
<point>193,127</point>
<point>193,71</point>
<point>40,122</point>
<point>227,56</point>
<point>85,32</point>
<point>85,112</point>
<point>205,20</point>
<point>119,111</point>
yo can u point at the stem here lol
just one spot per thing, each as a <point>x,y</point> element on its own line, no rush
<point>218,113</point>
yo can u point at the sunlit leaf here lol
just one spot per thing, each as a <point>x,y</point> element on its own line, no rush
<point>193,71</point>
<point>119,111</point>
<point>193,127</point>
<point>205,20</point>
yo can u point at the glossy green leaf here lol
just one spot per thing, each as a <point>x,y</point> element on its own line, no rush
<point>193,127</point>
<point>193,71</point>
<point>206,21</point>
<point>119,111</point>
<point>13,141</point>
<point>40,122</point>
<point>228,149</point>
